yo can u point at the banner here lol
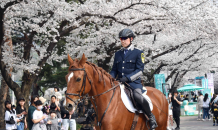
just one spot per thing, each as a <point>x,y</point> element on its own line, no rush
<point>208,91</point>
<point>210,82</point>
<point>204,83</point>
<point>159,79</point>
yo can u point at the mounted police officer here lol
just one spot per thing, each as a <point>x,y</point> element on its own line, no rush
<point>128,67</point>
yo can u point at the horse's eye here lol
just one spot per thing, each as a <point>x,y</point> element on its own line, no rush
<point>78,79</point>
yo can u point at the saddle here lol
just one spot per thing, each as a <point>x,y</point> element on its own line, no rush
<point>129,93</point>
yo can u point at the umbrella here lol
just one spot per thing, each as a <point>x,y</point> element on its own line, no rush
<point>189,87</point>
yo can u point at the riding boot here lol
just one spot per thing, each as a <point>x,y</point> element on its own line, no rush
<point>152,122</point>
<point>145,107</point>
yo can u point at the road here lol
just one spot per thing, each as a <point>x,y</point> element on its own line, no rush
<point>191,123</point>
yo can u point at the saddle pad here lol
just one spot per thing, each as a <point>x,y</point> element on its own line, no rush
<point>128,103</point>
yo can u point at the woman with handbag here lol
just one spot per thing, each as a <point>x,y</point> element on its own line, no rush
<point>10,117</point>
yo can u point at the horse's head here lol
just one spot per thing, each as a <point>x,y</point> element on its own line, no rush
<point>76,82</point>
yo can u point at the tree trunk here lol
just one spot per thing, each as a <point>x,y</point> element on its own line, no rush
<point>4,94</point>
<point>27,81</point>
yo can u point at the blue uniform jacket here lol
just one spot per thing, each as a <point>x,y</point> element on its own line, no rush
<point>130,66</point>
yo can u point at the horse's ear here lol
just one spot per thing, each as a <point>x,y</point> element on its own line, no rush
<point>70,60</point>
<point>83,60</point>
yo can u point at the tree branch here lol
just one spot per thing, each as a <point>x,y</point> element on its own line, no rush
<point>188,57</point>
<point>175,80</point>
<point>171,75</point>
<point>175,47</point>
<point>157,71</point>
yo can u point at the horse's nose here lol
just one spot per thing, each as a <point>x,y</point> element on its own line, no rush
<point>69,106</point>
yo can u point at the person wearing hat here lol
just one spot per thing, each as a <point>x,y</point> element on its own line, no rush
<point>42,99</point>
<point>128,66</point>
<point>21,114</point>
<point>176,102</point>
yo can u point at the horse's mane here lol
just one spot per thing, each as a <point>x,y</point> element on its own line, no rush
<point>101,72</point>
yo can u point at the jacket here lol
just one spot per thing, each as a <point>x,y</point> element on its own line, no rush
<point>200,101</point>
<point>130,65</point>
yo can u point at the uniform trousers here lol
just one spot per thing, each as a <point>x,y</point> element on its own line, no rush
<point>137,93</point>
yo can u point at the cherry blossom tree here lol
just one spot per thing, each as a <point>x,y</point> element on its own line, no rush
<point>178,35</point>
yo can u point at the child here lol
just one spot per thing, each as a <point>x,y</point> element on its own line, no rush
<point>215,114</point>
<point>38,117</point>
<point>53,121</point>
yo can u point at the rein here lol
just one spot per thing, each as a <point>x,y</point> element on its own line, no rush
<point>91,97</point>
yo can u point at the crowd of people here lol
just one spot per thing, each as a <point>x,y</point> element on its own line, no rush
<point>207,108</point>
<point>41,115</point>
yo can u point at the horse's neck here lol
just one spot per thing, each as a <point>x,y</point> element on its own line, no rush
<point>103,100</point>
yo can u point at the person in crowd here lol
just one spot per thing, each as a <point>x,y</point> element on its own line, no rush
<point>182,97</point>
<point>170,117</point>
<point>56,106</point>
<point>53,100</point>
<point>10,117</point>
<point>21,112</point>
<point>205,106</point>
<point>68,119</point>
<point>53,107</point>
<point>31,109</point>
<point>195,98</point>
<point>215,113</point>
<point>216,99</point>
<point>45,107</point>
<point>53,121</point>
<point>57,94</point>
<point>200,106</point>
<point>38,117</point>
<point>176,102</point>
<point>42,99</point>
<point>186,97</point>
<point>56,89</point>
<point>13,107</point>
<point>212,103</point>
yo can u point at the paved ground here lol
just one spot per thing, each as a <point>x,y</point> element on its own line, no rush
<point>191,123</point>
<point>187,123</point>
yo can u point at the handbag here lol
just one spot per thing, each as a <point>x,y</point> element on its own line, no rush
<point>11,120</point>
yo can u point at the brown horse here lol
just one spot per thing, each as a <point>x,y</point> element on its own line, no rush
<point>86,78</point>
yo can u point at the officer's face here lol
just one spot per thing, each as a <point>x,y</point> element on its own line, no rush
<point>125,41</point>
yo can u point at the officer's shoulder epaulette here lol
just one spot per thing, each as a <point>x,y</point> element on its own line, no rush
<point>119,50</point>
<point>137,50</point>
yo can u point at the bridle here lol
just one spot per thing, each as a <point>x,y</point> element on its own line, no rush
<point>92,97</point>
<point>83,86</point>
